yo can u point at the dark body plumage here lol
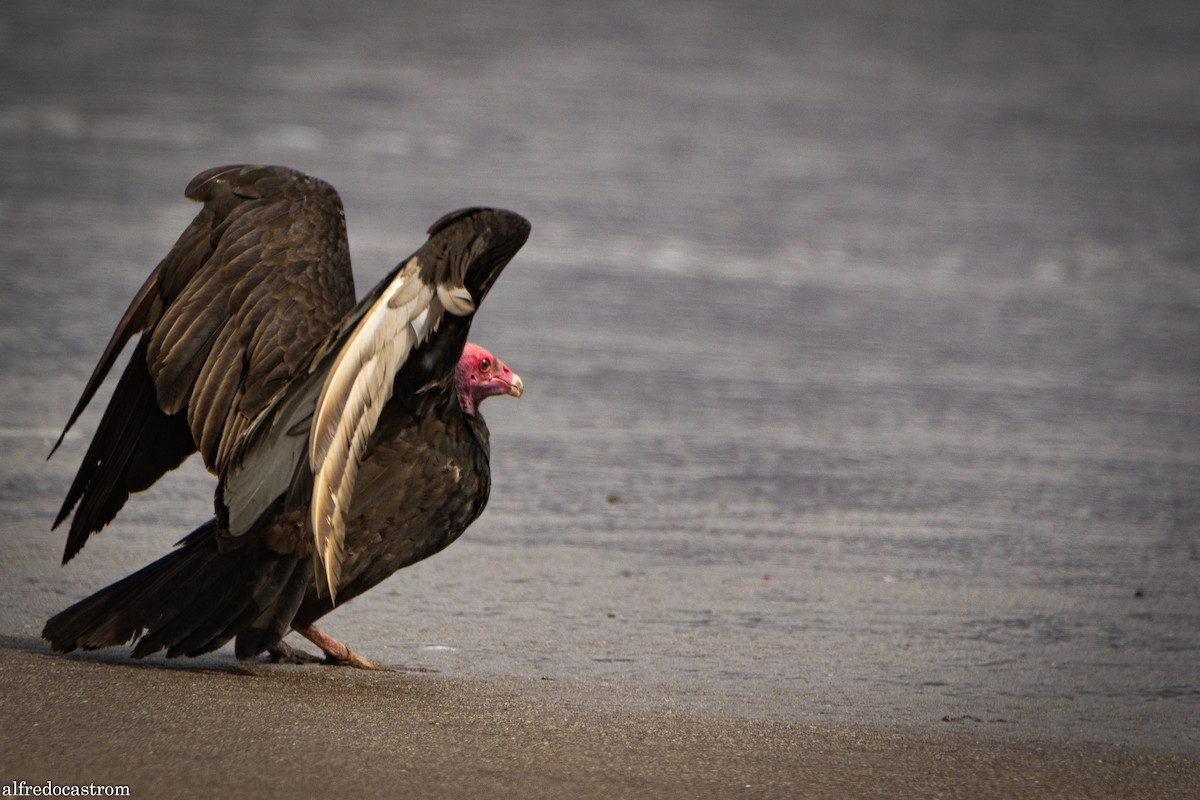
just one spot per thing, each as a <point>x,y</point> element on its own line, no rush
<point>253,352</point>
<point>425,480</point>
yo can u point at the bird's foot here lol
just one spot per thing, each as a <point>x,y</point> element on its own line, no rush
<point>353,659</point>
<point>336,652</point>
<point>284,653</point>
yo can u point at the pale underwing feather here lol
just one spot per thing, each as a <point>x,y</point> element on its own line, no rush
<point>455,299</point>
<point>262,473</point>
<point>354,393</point>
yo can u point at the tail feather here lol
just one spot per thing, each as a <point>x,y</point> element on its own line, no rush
<point>239,612</point>
<point>197,617</point>
<point>273,623</point>
<point>191,601</point>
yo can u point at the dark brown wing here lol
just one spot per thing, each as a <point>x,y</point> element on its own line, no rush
<point>257,280</point>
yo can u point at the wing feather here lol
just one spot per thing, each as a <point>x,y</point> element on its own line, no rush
<point>352,397</point>
<point>281,282</point>
<point>315,432</point>
<point>233,312</point>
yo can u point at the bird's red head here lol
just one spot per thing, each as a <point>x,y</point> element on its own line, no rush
<point>480,374</point>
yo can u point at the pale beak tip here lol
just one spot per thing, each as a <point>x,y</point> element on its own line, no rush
<point>516,388</point>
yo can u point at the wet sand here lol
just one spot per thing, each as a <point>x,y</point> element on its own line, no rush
<point>860,448</point>
<point>271,730</point>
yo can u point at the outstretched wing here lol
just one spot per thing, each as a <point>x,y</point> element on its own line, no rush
<point>324,425</point>
<point>259,278</point>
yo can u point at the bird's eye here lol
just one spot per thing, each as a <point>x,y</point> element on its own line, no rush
<point>485,364</point>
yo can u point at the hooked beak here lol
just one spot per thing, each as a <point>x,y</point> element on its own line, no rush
<point>516,387</point>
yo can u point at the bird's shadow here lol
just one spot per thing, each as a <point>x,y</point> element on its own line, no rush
<point>210,663</point>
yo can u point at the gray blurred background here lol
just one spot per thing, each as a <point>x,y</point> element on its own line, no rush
<point>861,340</point>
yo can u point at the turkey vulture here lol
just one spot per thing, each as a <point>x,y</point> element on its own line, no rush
<point>346,438</point>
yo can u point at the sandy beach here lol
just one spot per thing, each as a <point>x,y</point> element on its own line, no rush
<point>859,453</point>
<point>268,730</point>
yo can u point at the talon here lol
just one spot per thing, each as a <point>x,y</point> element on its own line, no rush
<point>353,659</point>
<point>284,653</point>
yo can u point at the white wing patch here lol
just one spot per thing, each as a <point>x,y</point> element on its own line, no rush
<point>264,472</point>
<point>355,391</point>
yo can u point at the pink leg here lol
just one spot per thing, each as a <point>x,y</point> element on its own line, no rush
<point>336,652</point>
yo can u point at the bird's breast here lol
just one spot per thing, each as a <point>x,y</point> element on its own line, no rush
<point>417,491</point>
